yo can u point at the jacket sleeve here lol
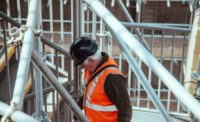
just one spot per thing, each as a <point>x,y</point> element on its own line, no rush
<point>116,89</point>
<point>80,102</point>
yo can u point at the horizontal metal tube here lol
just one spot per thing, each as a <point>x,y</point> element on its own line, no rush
<point>46,91</point>
<point>55,46</point>
<point>9,19</point>
<point>17,116</point>
<point>156,26</point>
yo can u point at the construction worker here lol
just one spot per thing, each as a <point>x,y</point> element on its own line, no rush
<point>106,98</point>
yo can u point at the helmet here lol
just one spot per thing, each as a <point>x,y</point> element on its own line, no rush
<point>82,48</point>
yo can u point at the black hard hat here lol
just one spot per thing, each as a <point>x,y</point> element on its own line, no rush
<point>82,48</point>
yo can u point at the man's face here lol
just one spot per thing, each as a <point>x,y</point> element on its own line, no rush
<point>89,64</point>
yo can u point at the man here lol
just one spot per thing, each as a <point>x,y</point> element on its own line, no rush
<point>106,98</point>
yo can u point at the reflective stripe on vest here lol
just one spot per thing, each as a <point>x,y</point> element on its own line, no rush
<point>89,94</point>
<point>100,108</point>
<point>92,88</point>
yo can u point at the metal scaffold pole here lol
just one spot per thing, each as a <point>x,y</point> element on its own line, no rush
<point>193,54</point>
<point>47,73</point>
<point>22,72</point>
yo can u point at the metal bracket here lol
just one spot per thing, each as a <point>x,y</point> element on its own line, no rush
<point>42,118</point>
<point>113,3</point>
<point>16,34</point>
<point>168,3</point>
<point>196,76</point>
<point>37,32</point>
<point>102,34</point>
<point>138,5</point>
<point>191,5</point>
<point>65,2</point>
<point>127,3</point>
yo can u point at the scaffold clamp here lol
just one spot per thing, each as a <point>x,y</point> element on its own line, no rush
<point>9,112</point>
<point>17,34</point>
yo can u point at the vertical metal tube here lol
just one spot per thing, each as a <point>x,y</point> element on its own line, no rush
<point>37,74</point>
<point>57,102</point>
<point>87,22</point>
<point>110,44</point>
<point>19,19</point>
<point>38,85</point>
<point>58,108</point>
<point>101,36</point>
<point>62,31</point>
<point>182,73</point>
<point>76,19</point>
<point>161,61</point>
<point>138,12</point>
<point>31,102</point>
<point>129,79</point>
<point>38,92</point>
<point>8,12</point>
<point>7,60</point>
<point>53,106</point>
<point>171,68</point>
<point>150,71</point>
<point>19,11</point>
<point>94,25</point>
<point>82,16</point>
<point>192,52</point>
<point>101,33</point>
<point>168,3</point>
<point>51,28</point>
<point>76,34</point>
<point>44,86</point>
<point>138,87</point>
<point>72,37</point>
<point>22,72</point>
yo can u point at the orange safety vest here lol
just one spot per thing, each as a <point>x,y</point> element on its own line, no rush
<point>96,104</point>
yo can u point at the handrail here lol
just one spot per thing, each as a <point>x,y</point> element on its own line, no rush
<point>156,26</point>
<point>55,46</point>
<point>123,36</point>
<point>9,19</point>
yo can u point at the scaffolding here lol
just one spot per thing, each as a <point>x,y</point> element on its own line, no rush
<point>142,55</point>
